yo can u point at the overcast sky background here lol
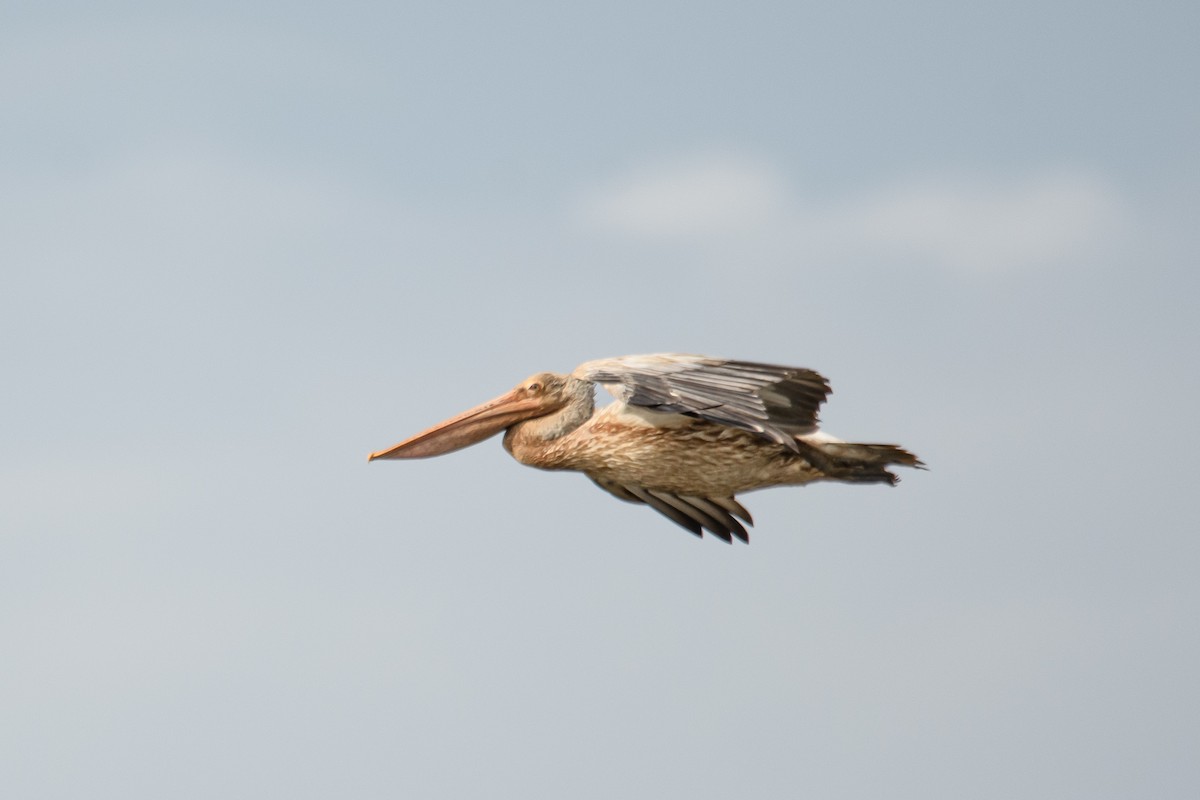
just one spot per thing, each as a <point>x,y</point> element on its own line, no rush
<point>245,244</point>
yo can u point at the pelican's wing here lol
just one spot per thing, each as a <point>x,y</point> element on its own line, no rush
<point>717,515</point>
<point>778,403</point>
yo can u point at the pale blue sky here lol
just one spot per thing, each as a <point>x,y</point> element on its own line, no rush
<point>247,244</point>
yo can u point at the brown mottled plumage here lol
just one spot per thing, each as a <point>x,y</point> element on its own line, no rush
<point>686,435</point>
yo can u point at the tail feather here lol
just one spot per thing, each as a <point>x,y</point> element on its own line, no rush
<point>864,463</point>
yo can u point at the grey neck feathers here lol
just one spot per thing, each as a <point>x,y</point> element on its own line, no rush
<point>581,402</point>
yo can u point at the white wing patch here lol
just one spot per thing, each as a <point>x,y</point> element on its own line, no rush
<point>624,414</point>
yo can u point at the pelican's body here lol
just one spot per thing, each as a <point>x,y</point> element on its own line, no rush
<point>685,435</point>
<point>674,454</point>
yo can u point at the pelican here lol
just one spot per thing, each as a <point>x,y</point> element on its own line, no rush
<point>685,436</point>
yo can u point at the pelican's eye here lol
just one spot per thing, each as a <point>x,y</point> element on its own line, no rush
<point>533,387</point>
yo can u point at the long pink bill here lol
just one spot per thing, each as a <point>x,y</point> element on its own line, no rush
<point>468,428</point>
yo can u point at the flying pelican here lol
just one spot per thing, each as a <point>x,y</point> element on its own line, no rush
<point>686,434</point>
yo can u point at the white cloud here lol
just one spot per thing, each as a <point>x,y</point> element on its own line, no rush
<point>698,196</point>
<point>967,223</point>
<point>988,225</point>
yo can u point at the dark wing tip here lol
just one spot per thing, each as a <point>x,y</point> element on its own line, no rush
<point>720,515</point>
<point>731,505</point>
<point>696,514</point>
<point>717,515</point>
<point>656,501</point>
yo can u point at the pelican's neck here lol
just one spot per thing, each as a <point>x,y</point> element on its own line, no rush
<point>581,402</point>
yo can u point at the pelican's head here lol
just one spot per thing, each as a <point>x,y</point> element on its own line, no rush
<point>536,396</point>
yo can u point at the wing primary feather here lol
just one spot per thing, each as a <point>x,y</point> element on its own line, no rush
<point>706,521</point>
<point>617,490</point>
<point>733,507</point>
<point>692,512</point>
<point>667,510</point>
<point>716,512</point>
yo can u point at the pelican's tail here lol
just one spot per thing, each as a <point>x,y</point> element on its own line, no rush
<point>860,463</point>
